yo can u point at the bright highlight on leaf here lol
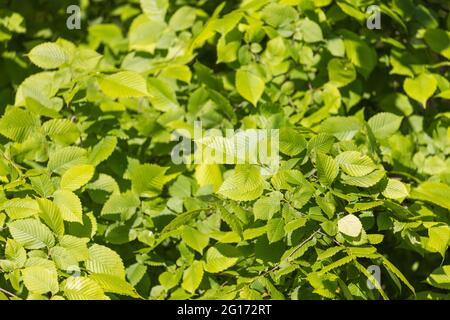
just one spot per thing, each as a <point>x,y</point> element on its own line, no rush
<point>350,225</point>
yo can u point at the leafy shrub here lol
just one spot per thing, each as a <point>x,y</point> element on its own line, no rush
<point>93,207</point>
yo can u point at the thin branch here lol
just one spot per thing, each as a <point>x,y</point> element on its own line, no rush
<point>8,293</point>
<point>277,266</point>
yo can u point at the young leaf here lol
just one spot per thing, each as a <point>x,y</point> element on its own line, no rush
<point>31,233</point>
<point>327,169</point>
<point>76,177</point>
<point>192,276</point>
<point>384,124</point>
<point>440,277</point>
<point>123,84</point>
<point>69,204</point>
<point>275,230</point>
<point>395,190</point>
<point>104,260</point>
<point>434,192</point>
<point>244,185</point>
<point>355,163</point>
<point>250,85</point>
<point>194,239</point>
<point>50,213</point>
<point>420,88</point>
<point>114,284</point>
<point>83,288</point>
<point>41,280</point>
<point>217,260</point>
<point>48,55</point>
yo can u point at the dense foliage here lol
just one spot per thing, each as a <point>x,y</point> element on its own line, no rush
<point>92,205</point>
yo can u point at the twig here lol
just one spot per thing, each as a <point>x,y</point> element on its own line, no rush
<point>8,293</point>
<point>277,266</point>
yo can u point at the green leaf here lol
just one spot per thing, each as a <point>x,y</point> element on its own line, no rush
<point>327,169</point>
<point>77,176</point>
<point>245,184</point>
<point>439,41</point>
<point>364,181</point>
<point>83,288</point>
<point>121,203</point>
<point>144,34</point>
<point>336,264</point>
<point>219,258</point>
<point>183,18</point>
<point>355,163</point>
<point>64,259</point>
<point>31,233</point>
<point>40,280</point>
<point>291,142</point>
<point>397,272</point>
<point>161,95</point>
<point>250,85</point>
<point>192,276</point>
<point>48,55</point>
<point>15,256</point>
<point>231,220</point>
<point>69,204</point>
<point>395,190</point>
<point>440,278</point>
<point>20,208</point>
<point>195,239</point>
<point>311,31</point>
<point>265,207</point>
<point>64,158</point>
<point>341,72</point>
<point>227,52</point>
<point>209,175</point>
<point>439,239</point>
<point>50,213</point>
<point>155,9</point>
<point>43,185</point>
<point>61,130</point>
<point>420,88</point>
<point>104,260</point>
<point>18,124</point>
<point>328,253</point>
<point>102,150</point>
<point>343,128</point>
<point>114,284</point>
<point>275,230</point>
<point>123,84</point>
<point>336,47</point>
<point>351,11</point>
<point>75,246</point>
<point>434,192</point>
<point>148,179</point>
<point>361,54</point>
<point>384,124</point>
